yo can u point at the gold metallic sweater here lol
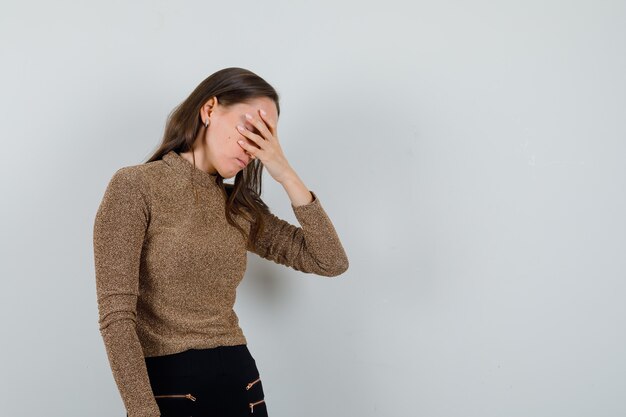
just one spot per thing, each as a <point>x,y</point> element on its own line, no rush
<point>167,267</point>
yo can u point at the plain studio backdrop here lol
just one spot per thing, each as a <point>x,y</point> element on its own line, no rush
<point>471,155</point>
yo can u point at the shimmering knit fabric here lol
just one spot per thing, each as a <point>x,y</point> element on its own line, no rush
<point>167,267</point>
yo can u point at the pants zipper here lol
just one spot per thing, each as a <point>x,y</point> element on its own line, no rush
<point>189,396</point>
<point>253,404</point>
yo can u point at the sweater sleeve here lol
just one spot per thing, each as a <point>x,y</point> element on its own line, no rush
<point>312,248</point>
<point>118,235</point>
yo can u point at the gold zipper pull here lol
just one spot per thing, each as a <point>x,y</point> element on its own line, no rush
<point>252,383</point>
<point>253,404</point>
<point>189,396</point>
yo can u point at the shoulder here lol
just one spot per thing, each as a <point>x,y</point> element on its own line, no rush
<point>131,182</point>
<point>131,177</point>
<point>126,201</point>
<point>140,175</point>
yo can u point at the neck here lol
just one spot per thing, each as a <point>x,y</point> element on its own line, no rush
<point>201,155</point>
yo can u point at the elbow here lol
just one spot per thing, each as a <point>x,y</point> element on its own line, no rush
<point>342,263</point>
<point>334,263</point>
<point>343,266</point>
<point>116,317</point>
<point>338,268</point>
<point>116,307</point>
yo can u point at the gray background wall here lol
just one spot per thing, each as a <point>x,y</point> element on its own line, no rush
<point>471,155</point>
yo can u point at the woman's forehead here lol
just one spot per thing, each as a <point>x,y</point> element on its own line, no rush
<point>253,105</point>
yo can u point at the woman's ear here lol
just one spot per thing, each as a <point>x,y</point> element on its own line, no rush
<point>208,107</point>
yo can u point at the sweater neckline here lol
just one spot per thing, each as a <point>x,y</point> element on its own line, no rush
<point>186,168</point>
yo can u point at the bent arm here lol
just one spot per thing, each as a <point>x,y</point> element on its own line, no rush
<point>312,248</point>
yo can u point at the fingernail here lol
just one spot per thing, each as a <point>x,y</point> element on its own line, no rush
<point>263,112</point>
<point>248,116</point>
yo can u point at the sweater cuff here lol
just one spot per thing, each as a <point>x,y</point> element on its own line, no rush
<point>313,205</point>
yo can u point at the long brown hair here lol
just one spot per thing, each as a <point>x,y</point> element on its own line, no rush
<point>231,86</point>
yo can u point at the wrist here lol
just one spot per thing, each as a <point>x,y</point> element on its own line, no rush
<point>289,177</point>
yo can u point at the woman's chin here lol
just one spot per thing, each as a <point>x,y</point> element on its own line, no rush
<point>229,173</point>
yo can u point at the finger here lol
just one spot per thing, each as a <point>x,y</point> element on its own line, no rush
<point>249,154</point>
<point>250,149</point>
<point>250,135</point>
<point>260,126</point>
<point>269,122</point>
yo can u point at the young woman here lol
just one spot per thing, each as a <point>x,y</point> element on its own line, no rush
<point>170,245</point>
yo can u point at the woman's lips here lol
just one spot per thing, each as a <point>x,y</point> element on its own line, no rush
<point>243,165</point>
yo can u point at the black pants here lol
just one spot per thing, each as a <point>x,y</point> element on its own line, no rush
<point>218,382</point>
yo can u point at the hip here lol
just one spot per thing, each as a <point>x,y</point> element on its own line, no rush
<point>219,381</point>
